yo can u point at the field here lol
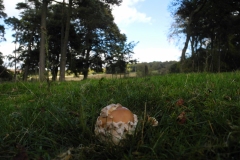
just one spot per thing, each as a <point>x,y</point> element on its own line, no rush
<point>72,77</point>
<point>55,120</point>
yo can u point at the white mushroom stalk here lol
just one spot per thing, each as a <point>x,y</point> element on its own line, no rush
<point>114,123</point>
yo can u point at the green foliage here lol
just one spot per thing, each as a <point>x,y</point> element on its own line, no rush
<point>1,58</point>
<point>151,68</point>
<point>92,34</point>
<point>211,32</point>
<point>175,68</point>
<point>2,15</point>
<point>44,121</point>
<point>117,67</point>
<point>142,70</point>
<point>5,74</point>
<point>208,63</point>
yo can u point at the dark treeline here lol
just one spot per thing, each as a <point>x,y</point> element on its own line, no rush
<point>211,31</point>
<point>151,68</point>
<point>76,36</point>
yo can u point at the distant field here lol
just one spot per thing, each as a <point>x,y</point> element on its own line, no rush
<point>98,76</point>
<point>41,120</point>
<point>90,76</point>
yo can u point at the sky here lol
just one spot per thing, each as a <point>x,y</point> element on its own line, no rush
<point>143,21</point>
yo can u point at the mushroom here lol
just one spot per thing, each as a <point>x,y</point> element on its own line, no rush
<point>152,121</point>
<point>114,123</point>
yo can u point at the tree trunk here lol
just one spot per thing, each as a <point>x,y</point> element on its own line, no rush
<point>55,69</point>
<point>15,64</point>
<point>86,65</point>
<point>54,73</point>
<point>88,43</point>
<point>62,29</point>
<point>43,41</point>
<point>85,73</point>
<point>188,29</point>
<point>183,56</point>
<point>65,43</point>
<point>193,53</point>
<point>25,74</point>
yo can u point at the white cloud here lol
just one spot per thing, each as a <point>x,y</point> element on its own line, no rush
<point>10,7</point>
<point>7,47</point>
<point>156,54</point>
<point>127,13</point>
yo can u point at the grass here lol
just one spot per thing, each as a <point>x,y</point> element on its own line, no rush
<point>41,121</point>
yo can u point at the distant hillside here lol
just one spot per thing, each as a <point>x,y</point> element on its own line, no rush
<point>147,68</point>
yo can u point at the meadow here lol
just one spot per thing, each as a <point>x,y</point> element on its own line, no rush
<point>55,120</point>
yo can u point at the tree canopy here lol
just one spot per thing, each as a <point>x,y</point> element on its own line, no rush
<point>211,31</point>
<point>74,36</point>
<point>2,15</point>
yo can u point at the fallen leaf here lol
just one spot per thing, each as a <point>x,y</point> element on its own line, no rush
<point>227,98</point>
<point>181,119</point>
<point>43,109</point>
<point>233,127</point>
<point>209,90</point>
<point>152,121</point>
<point>65,155</point>
<point>180,102</point>
<point>14,89</point>
<point>7,135</point>
<point>74,113</point>
<point>136,153</point>
<point>22,153</point>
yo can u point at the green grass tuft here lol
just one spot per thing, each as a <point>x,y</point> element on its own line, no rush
<point>42,122</point>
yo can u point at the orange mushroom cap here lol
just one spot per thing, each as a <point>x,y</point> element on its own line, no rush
<point>114,123</point>
<point>120,114</point>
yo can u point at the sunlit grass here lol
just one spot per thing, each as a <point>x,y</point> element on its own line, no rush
<point>42,121</point>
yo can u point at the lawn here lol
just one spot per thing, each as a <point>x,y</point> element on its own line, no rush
<point>41,120</point>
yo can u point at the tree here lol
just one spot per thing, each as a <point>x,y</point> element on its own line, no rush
<point>97,37</point>
<point>15,23</point>
<point>208,26</point>
<point>5,74</point>
<point>89,36</point>
<point>90,25</point>
<point>65,35</point>
<point>55,35</point>
<point>26,34</point>
<point>1,58</point>
<point>2,15</point>
<point>118,60</point>
<point>42,54</point>
<point>185,15</point>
